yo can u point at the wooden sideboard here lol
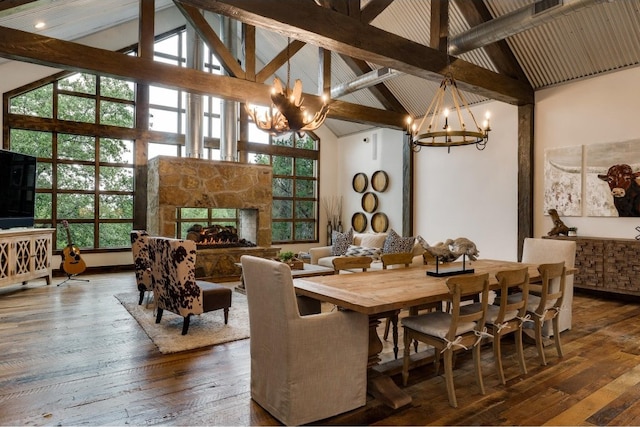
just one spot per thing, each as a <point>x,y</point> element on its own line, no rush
<point>25,254</point>
<point>606,264</point>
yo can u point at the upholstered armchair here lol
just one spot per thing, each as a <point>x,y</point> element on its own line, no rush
<point>544,251</point>
<point>303,368</point>
<point>141,261</point>
<point>175,288</point>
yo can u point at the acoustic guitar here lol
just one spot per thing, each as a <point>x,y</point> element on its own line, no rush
<point>72,263</point>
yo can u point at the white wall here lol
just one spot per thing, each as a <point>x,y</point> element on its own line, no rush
<point>465,193</point>
<point>368,152</point>
<point>593,111</point>
<point>470,193</point>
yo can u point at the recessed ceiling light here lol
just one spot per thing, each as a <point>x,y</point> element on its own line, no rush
<point>39,25</point>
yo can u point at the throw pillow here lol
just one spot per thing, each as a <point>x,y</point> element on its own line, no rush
<point>370,240</point>
<point>394,243</point>
<point>341,242</point>
<point>354,250</point>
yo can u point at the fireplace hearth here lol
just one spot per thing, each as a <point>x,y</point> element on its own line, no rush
<point>217,236</point>
<point>178,182</point>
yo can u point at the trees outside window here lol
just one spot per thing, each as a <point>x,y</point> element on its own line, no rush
<point>294,160</point>
<point>82,178</point>
<point>82,129</point>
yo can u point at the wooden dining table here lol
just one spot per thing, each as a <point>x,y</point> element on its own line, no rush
<point>380,294</point>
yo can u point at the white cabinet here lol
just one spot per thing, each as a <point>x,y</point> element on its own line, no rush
<point>25,254</point>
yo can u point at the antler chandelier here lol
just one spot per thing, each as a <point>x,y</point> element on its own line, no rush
<point>287,114</point>
<point>446,127</point>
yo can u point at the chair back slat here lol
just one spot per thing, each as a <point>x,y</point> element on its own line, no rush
<point>403,258</point>
<point>514,283</point>
<point>553,284</point>
<point>460,289</point>
<point>352,262</point>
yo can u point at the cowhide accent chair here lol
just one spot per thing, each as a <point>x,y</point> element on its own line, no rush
<point>141,262</point>
<point>175,288</point>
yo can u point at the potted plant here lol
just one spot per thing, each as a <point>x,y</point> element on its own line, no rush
<point>290,259</point>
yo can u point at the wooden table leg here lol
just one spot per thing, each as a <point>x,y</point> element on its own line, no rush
<point>379,385</point>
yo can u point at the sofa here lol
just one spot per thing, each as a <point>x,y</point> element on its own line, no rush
<point>364,244</point>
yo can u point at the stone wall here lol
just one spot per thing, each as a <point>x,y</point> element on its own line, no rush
<point>175,182</point>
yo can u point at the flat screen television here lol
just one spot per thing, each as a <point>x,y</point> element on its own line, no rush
<point>17,189</point>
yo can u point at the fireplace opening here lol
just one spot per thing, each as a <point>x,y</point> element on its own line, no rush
<point>217,236</point>
<point>213,228</point>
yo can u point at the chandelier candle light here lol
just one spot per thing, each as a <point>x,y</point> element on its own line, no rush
<point>446,127</point>
<point>287,114</point>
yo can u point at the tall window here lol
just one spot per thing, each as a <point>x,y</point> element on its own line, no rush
<point>83,178</point>
<point>294,159</point>
<point>81,127</point>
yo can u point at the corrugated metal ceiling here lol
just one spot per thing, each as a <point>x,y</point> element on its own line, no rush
<point>594,40</point>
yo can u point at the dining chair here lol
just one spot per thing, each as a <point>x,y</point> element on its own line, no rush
<point>405,260</point>
<point>543,251</point>
<point>349,263</point>
<point>507,314</point>
<point>303,368</point>
<point>545,303</point>
<point>451,331</point>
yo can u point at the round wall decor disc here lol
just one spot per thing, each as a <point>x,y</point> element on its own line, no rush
<point>379,181</point>
<point>360,182</point>
<point>369,202</point>
<point>379,222</point>
<point>359,222</point>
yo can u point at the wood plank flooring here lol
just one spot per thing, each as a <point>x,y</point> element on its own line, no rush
<point>72,355</point>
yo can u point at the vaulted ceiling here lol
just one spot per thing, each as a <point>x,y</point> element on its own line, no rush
<point>533,48</point>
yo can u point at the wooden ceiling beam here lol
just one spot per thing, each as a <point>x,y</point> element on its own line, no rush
<point>228,60</point>
<point>475,13</point>
<point>10,4</point>
<point>280,59</point>
<point>439,28</point>
<point>380,91</point>
<point>37,49</point>
<point>373,9</point>
<point>363,41</point>
<point>360,67</point>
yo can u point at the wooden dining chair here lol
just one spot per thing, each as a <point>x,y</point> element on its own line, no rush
<point>545,303</point>
<point>507,314</point>
<point>451,331</point>
<point>349,263</point>
<point>403,259</point>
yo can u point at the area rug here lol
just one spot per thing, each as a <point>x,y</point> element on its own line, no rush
<point>207,329</point>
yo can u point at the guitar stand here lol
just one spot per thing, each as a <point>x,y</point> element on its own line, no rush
<point>72,277</point>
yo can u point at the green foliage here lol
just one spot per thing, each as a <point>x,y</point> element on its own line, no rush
<point>286,256</point>
<point>79,157</point>
<point>38,102</point>
<point>294,190</point>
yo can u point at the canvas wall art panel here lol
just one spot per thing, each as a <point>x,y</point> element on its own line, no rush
<point>563,180</point>
<point>612,178</point>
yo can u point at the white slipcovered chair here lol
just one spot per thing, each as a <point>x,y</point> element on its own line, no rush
<point>545,251</point>
<point>303,368</point>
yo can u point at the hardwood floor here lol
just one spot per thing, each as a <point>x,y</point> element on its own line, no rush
<point>72,355</point>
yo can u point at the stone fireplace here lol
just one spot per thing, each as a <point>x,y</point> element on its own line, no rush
<point>177,182</point>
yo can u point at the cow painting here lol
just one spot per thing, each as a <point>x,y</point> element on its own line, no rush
<point>625,189</point>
